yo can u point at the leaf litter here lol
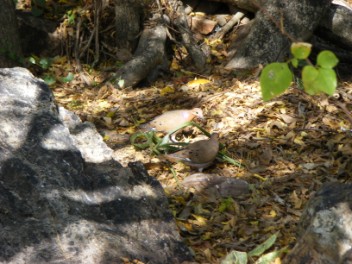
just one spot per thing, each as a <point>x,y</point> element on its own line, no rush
<point>288,147</point>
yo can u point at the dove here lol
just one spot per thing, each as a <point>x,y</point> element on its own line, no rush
<point>171,120</point>
<point>199,154</point>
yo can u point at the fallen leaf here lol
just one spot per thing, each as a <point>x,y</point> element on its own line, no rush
<point>167,90</point>
<point>197,82</point>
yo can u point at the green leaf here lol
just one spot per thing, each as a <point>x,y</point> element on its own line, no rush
<point>309,73</point>
<point>275,79</point>
<point>327,59</point>
<point>45,63</point>
<point>68,78</point>
<point>225,204</point>
<point>259,250</point>
<point>309,76</point>
<point>49,80</point>
<point>71,16</point>
<point>224,157</point>
<point>32,60</point>
<point>270,257</point>
<point>146,139</point>
<point>327,80</point>
<point>295,62</point>
<point>235,257</point>
<point>301,50</point>
<point>121,83</point>
<point>319,80</point>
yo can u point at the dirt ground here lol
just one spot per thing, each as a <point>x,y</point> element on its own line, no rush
<point>288,147</point>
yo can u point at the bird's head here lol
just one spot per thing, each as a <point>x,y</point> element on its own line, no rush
<point>197,112</point>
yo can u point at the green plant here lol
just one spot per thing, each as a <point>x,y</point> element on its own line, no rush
<point>43,63</point>
<point>276,77</point>
<point>158,146</point>
<point>239,257</point>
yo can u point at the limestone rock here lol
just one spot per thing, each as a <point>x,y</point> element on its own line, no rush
<point>63,198</point>
<point>325,234</point>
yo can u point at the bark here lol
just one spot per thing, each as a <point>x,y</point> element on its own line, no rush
<point>37,35</point>
<point>277,24</point>
<point>149,55</point>
<point>10,47</point>
<point>334,27</point>
<point>129,16</point>
<point>236,19</point>
<point>179,19</point>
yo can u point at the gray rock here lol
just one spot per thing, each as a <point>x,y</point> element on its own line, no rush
<point>63,198</point>
<point>324,232</point>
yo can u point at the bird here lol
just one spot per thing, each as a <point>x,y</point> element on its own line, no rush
<point>171,120</point>
<point>200,154</point>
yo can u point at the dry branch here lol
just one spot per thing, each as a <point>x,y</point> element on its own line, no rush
<point>180,21</point>
<point>149,55</point>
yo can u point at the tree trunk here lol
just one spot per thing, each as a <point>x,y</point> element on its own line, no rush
<point>149,56</point>
<point>277,24</point>
<point>128,15</point>
<point>10,48</point>
<point>179,19</point>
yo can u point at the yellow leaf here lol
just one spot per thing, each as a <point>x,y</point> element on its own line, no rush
<point>103,104</point>
<point>197,82</point>
<point>200,14</point>
<point>299,141</point>
<point>215,112</point>
<point>184,226</point>
<point>167,90</point>
<point>130,130</point>
<point>277,261</point>
<point>273,213</point>
<point>111,114</point>
<point>259,177</point>
<point>60,60</point>
<point>296,200</point>
<point>174,65</point>
<point>180,199</point>
<point>206,236</point>
<point>207,254</point>
<point>255,223</point>
<point>217,54</point>
<point>228,225</point>
<point>213,43</point>
<point>200,220</point>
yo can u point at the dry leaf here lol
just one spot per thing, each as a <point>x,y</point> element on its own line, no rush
<point>167,90</point>
<point>197,82</point>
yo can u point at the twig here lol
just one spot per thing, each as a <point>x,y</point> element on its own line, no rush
<point>78,30</point>
<point>236,19</point>
<point>316,129</point>
<point>345,110</point>
<point>97,11</point>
